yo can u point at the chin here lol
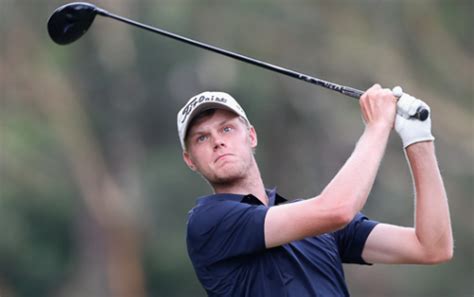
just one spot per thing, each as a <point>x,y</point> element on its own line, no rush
<point>228,177</point>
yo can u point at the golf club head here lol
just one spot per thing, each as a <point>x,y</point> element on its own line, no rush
<point>69,22</point>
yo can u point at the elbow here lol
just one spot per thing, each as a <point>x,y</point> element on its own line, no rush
<point>338,214</point>
<point>441,256</point>
<point>445,256</point>
<point>342,216</point>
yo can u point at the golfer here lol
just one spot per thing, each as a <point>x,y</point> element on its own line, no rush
<point>246,240</point>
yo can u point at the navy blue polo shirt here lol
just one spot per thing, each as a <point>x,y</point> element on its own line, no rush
<point>226,244</point>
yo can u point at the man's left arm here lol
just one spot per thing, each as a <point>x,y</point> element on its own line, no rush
<point>430,241</point>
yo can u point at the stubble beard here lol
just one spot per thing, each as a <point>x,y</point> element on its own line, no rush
<point>233,175</point>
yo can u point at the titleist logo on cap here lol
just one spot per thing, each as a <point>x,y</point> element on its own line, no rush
<point>202,101</point>
<point>198,100</point>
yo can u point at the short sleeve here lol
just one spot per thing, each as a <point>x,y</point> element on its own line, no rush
<point>351,239</point>
<point>224,229</point>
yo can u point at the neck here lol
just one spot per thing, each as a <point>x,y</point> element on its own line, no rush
<point>252,183</point>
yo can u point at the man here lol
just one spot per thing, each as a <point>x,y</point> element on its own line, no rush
<point>244,240</point>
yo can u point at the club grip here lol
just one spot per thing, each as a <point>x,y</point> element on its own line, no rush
<point>421,114</point>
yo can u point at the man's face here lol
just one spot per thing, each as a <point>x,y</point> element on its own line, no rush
<point>220,147</point>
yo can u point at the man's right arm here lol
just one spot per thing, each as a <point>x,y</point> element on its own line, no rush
<point>347,192</point>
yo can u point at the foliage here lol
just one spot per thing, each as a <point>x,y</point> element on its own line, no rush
<point>93,191</point>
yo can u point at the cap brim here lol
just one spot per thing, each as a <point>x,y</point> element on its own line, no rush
<point>201,108</point>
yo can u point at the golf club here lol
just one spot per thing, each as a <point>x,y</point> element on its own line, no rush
<point>69,22</point>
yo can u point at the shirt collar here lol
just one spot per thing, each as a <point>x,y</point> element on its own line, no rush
<point>273,198</point>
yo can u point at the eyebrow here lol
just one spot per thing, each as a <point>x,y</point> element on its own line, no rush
<point>197,132</point>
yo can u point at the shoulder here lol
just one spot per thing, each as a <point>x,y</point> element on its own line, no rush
<point>211,207</point>
<point>360,224</point>
<point>351,239</point>
<point>215,211</point>
<point>221,228</point>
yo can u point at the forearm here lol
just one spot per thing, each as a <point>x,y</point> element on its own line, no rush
<point>336,206</point>
<point>432,220</point>
<point>347,192</point>
<point>351,186</point>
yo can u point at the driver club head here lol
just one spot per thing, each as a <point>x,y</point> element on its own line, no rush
<point>69,22</point>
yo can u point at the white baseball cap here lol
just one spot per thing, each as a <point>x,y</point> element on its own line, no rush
<point>202,102</point>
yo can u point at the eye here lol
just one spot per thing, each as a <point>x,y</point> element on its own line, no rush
<point>227,129</point>
<point>201,138</point>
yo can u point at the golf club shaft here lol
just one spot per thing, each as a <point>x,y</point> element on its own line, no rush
<point>421,113</point>
<point>351,92</point>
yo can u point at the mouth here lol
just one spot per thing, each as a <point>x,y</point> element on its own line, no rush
<point>222,157</point>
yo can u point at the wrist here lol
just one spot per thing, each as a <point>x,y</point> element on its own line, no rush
<point>421,139</point>
<point>422,147</point>
<point>378,128</point>
<point>376,134</point>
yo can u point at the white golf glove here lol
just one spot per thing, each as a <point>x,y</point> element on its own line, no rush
<point>411,130</point>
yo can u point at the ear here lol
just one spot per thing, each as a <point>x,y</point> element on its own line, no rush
<point>187,159</point>
<point>253,137</point>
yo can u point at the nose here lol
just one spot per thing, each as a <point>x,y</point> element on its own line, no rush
<point>218,142</point>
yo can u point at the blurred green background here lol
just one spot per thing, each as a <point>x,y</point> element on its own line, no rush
<point>93,192</point>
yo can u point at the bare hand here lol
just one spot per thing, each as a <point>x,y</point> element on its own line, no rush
<point>378,107</point>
